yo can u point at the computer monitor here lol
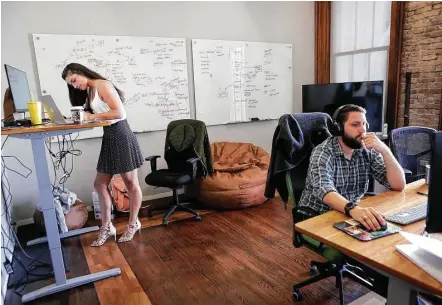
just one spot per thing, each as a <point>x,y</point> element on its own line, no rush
<point>329,97</point>
<point>434,207</point>
<point>19,87</point>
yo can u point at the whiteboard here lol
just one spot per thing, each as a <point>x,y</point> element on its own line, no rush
<point>240,81</point>
<point>152,73</point>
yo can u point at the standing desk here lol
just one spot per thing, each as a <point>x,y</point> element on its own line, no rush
<point>381,254</point>
<point>37,135</point>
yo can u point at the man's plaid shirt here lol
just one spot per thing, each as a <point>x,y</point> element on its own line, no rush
<point>330,171</point>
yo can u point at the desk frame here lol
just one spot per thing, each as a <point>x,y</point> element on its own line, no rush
<point>46,201</point>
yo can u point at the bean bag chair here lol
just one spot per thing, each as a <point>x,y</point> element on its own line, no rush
<point>239,178</point>
<point>75,219</point>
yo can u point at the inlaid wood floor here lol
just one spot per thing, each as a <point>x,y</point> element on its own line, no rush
<point>234,257</point>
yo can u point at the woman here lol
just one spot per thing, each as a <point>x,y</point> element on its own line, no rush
<point>120,152</point>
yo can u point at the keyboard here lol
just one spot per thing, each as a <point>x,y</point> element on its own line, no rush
<point>410,215</point>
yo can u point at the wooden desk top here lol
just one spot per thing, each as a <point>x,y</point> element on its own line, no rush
<point>49,127</point>
<point>380,253</point>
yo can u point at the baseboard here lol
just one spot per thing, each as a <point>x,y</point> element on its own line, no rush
<point>149,197</point>
<point>161,195</point>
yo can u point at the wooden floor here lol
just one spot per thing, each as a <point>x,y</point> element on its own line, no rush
<point>234,257</point>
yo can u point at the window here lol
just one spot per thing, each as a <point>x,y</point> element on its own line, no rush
<point>360,37</point>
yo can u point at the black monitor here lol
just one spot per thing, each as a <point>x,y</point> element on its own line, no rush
<point>329,97</point>
<point>19,87</point>
<point>434,208</point>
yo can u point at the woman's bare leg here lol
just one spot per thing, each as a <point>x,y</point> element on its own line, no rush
<point>101,185</point>
<point>134,191</point>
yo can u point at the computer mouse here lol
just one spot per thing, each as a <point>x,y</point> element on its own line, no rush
<point>383,227</point>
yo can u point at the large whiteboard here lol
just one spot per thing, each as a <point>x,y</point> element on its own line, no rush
<point>152,73</point>
<point>239,81</point>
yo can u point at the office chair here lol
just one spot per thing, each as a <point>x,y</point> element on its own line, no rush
<point>411,146</point>
<point>187,159</point>
<point>337,265</point>
<point>306,131</point>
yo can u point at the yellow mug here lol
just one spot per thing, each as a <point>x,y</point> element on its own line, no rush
<point>35,112</point>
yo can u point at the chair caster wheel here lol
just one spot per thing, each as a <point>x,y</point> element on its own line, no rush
<point>165,222</point>
<point>297,295</point>
<point>314,270</point>
<point>198,217</point>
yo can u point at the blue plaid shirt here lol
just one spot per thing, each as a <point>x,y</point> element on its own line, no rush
<point>330,171</point>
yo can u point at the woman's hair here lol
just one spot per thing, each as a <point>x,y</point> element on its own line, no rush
<point>80,97</point>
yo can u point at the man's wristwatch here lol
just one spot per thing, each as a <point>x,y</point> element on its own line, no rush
<point>348,207</point>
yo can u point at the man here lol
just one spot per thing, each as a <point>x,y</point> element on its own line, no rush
<point>340,169</point>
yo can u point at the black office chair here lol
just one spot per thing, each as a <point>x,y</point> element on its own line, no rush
<point>187,159</point>
<point>411,146</point>
<point>293,142</point>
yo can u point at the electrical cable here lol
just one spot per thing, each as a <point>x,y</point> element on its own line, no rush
<point>65,147</point>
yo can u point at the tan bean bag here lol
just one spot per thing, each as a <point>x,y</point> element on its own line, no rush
<point>75,219</point>
<point>239,178</point>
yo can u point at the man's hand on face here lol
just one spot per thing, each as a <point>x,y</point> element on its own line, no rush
<point>370,140</point>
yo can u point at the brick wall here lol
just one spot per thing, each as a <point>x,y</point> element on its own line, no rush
<point>422,56</point>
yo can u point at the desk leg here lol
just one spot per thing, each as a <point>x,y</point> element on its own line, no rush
<point>399,292</point>
<point>64,235</point>
<point>46,201</point>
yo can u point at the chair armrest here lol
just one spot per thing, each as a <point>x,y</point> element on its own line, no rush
<point>153,162</point>
<point>371,194</point>
<point>193,161</point>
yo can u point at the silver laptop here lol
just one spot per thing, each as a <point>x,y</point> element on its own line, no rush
<point>53,112</point>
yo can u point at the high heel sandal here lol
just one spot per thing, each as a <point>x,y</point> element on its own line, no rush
<point>131,229</point>
<point>105,232</point>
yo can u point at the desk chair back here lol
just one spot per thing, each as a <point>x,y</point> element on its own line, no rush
<point>411,146</point>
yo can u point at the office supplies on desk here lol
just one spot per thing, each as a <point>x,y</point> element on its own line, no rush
<point>429,244</point>
<point>358,231</point>
<point>53,111</point>
<point>425,252</point>
<point>35,112</point>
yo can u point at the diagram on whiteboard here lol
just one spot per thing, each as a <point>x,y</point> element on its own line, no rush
<point>240,81</point>
<point>152,73</point>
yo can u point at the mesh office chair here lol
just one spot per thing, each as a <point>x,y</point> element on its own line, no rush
<point>412,148</point>
<point>187,158</point>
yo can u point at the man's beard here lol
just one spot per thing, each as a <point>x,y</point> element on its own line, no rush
<point>351,142</point>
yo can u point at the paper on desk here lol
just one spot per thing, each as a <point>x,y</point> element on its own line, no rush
<point>431,245</point>
<point>423,259</point>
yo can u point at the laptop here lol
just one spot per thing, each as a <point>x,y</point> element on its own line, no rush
<point>53,112</point>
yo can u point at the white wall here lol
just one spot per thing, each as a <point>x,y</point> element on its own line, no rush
<point>6,236</point>
<point>282,22</point>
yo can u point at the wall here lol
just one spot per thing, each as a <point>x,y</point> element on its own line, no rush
<point>422,56</point>
<point>7,238</point>
<point>283,22</point>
